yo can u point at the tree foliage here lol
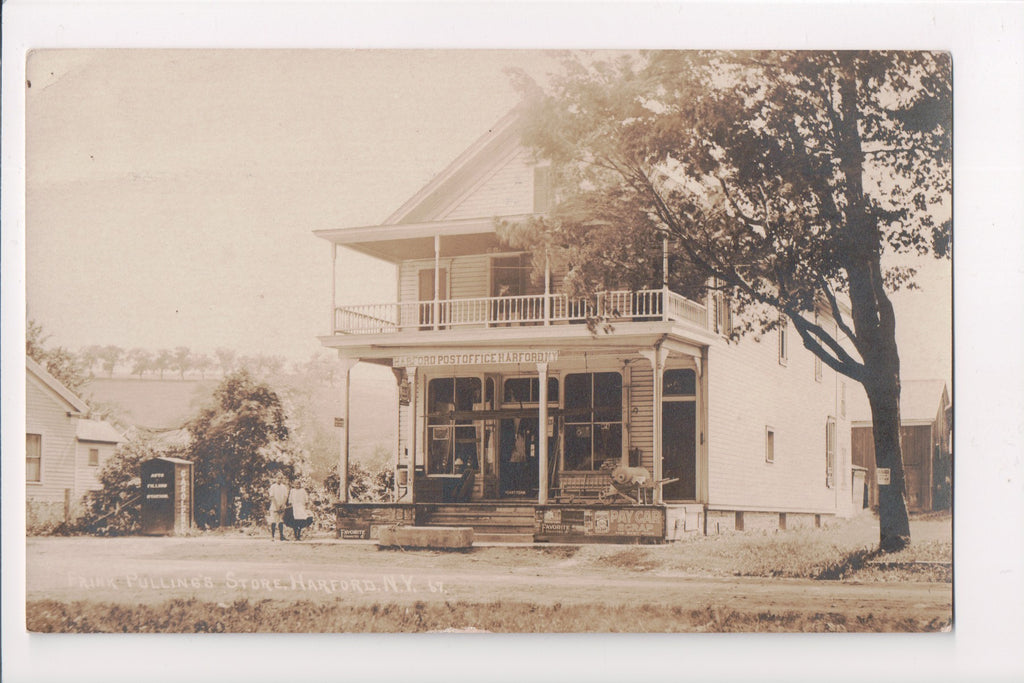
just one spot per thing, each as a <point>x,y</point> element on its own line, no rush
<point>786,180</point>
<point>238,442</point>
<point>67,367</point>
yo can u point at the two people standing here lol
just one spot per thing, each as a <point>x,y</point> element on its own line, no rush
<point>288,506</point>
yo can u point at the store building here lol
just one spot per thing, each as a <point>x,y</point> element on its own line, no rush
<point>514,414</point>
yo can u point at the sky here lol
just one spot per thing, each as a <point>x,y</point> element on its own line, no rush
<point>172,194</point>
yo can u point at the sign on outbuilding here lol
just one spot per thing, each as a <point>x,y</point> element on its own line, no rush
<point>166,496</point>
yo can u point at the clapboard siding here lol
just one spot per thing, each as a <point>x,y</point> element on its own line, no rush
<point>641,411</point>
<point>46,414</point>
<point>750,390</point>
<point>506,191</point>
<point>86,475</point>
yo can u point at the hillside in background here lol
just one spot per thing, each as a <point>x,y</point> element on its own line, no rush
<point>311,405</point>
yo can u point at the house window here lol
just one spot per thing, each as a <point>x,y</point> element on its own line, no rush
<point>451,440</point>
<point>830,452</point>
<point>33,457</point>
<point>842,399</point>
<point>722,311</point>
<point>593,420</point>
<point>527,390</point>
<point>94,457</point>
<point>817,358</point>
<point>783,342</point>
<point>769,445</point>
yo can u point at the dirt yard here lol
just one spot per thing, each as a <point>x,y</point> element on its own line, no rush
<point>238,582</point>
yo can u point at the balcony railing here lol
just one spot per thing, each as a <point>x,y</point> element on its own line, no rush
<point>505,311</point>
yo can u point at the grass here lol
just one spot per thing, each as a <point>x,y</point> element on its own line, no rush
<point>847,550</point>
<point>254,616</point>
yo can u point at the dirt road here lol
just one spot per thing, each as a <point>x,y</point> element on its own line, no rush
<point>225,569</point>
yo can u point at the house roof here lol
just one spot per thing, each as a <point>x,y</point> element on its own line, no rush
<point>409,232</point>
<point>98,430</point>
<point>38,371</point>
<point>920,401</point>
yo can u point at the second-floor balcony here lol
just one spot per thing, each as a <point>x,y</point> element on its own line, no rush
<point>531,309</point>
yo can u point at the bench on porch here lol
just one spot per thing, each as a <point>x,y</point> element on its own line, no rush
<point>574,487</point>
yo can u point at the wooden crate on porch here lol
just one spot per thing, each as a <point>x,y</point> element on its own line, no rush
<point>582,486</point>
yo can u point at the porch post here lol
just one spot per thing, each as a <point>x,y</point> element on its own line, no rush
<point>399,374</point>
<point>542,436</point>
<point>334,288</point>
<point>410,373</point>
<point>547,288</point>
<point>664,278</point>
<point>346,368</point>
<point>657,357</point>
<point>437,278</point>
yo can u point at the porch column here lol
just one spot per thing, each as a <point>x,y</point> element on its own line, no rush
<point>346,368</point>
<point>437,278</point>
<point>657,357</point>
<point>399,374</point>
<point>410,373</point>
<point>547,288</point>
<point>664,278</point>
<point>334,288</point>
<point>542,428</point>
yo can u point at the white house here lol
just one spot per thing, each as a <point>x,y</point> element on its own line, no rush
<point>514,415</point>
<point>64,449</point>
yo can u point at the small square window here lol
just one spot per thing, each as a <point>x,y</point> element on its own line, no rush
<point>94,457</point>
<point>769,445</point>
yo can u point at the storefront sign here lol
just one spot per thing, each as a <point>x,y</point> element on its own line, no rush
<point>646,522</point>
<point>474,358</point>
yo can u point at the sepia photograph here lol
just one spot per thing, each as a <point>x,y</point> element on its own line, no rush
<point>422,340</point>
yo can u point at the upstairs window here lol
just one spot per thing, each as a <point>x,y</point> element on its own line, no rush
<point>33,457</point>
<point>769,445</point>
<point>543,189</point>
<point>783,342</point>
<point>94,457</point>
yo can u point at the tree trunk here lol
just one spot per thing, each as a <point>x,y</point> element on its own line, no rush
<point>883,392</point>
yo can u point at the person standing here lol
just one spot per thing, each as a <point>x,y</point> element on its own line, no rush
<point>279,494</point>
<point>301,514</point>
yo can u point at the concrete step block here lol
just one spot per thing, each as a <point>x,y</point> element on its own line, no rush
<point>434,537</point>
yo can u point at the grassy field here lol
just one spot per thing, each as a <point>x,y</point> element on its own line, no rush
<point>267,616</point>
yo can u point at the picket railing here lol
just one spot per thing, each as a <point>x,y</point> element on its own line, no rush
<point>530,309</point>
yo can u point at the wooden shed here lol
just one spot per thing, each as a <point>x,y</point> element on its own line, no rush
<point>925,434</point>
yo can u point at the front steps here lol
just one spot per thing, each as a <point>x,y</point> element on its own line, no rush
<point>491,522</point>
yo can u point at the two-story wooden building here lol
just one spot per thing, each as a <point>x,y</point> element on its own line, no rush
<point>514,415</point>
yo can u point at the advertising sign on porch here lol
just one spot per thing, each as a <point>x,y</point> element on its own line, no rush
<point>883,476</point>
<point>471,357</point>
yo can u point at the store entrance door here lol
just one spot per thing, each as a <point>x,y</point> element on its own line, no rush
<point>518,457</point>
<point>679,449</point>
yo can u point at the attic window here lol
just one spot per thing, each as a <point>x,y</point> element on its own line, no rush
<point>543,191</point>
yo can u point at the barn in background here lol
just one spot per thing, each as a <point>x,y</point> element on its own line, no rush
<point>925,434</point>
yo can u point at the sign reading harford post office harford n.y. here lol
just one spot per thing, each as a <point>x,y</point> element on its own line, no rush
<point>473,357</point>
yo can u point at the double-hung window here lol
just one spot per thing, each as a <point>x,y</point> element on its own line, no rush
<point>593,420</point>
<point>33,457</point>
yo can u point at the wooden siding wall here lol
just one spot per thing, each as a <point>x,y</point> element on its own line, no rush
<point>749,390</point>
<point>46,414</point>
<point>87,476</point>
<point>506,191</point>
<point>641,422</point>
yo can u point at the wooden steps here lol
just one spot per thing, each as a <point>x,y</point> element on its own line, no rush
<point>496,522</point>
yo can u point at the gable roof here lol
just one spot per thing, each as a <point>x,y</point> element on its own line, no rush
<point>447,185</point>
<point>51,382</point>
<point>920,401</point>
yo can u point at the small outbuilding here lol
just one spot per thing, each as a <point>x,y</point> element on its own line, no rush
<point>925,433</point>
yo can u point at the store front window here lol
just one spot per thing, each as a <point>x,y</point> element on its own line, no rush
<point>593,420</point>
<point>452,440</point>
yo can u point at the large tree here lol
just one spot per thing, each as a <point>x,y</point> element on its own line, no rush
<point>790,181</point>
<point>237,443</point>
